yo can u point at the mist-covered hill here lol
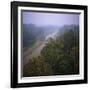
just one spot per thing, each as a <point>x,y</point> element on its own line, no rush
<point>67,28</point>
<point>32,33</point>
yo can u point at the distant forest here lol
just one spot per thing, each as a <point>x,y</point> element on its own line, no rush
<point>30,34</point>
<point>59,56</point>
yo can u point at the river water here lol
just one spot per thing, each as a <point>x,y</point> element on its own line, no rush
<point>36,49</point>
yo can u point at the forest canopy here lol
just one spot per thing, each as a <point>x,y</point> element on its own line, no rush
<point>59,56</point>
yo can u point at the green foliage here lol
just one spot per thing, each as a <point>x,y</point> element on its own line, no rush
<point>63,53</point>
<point>37,67</point>
<point>58,57</point>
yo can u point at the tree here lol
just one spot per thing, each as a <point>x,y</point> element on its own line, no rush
<point>37,67</point>
<point>63,53</point>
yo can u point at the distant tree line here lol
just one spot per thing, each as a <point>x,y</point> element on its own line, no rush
<point>31,34</point>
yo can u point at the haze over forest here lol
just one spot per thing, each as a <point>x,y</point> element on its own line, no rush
<point>50,44</point>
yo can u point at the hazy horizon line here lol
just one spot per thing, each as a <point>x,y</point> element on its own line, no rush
<point>50,25</point>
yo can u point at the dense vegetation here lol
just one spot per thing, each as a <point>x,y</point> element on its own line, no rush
<point>60,56</point>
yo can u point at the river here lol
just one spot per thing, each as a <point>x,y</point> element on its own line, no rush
<point>36,49</point>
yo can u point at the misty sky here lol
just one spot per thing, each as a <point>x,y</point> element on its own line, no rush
<point>44,19</point>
